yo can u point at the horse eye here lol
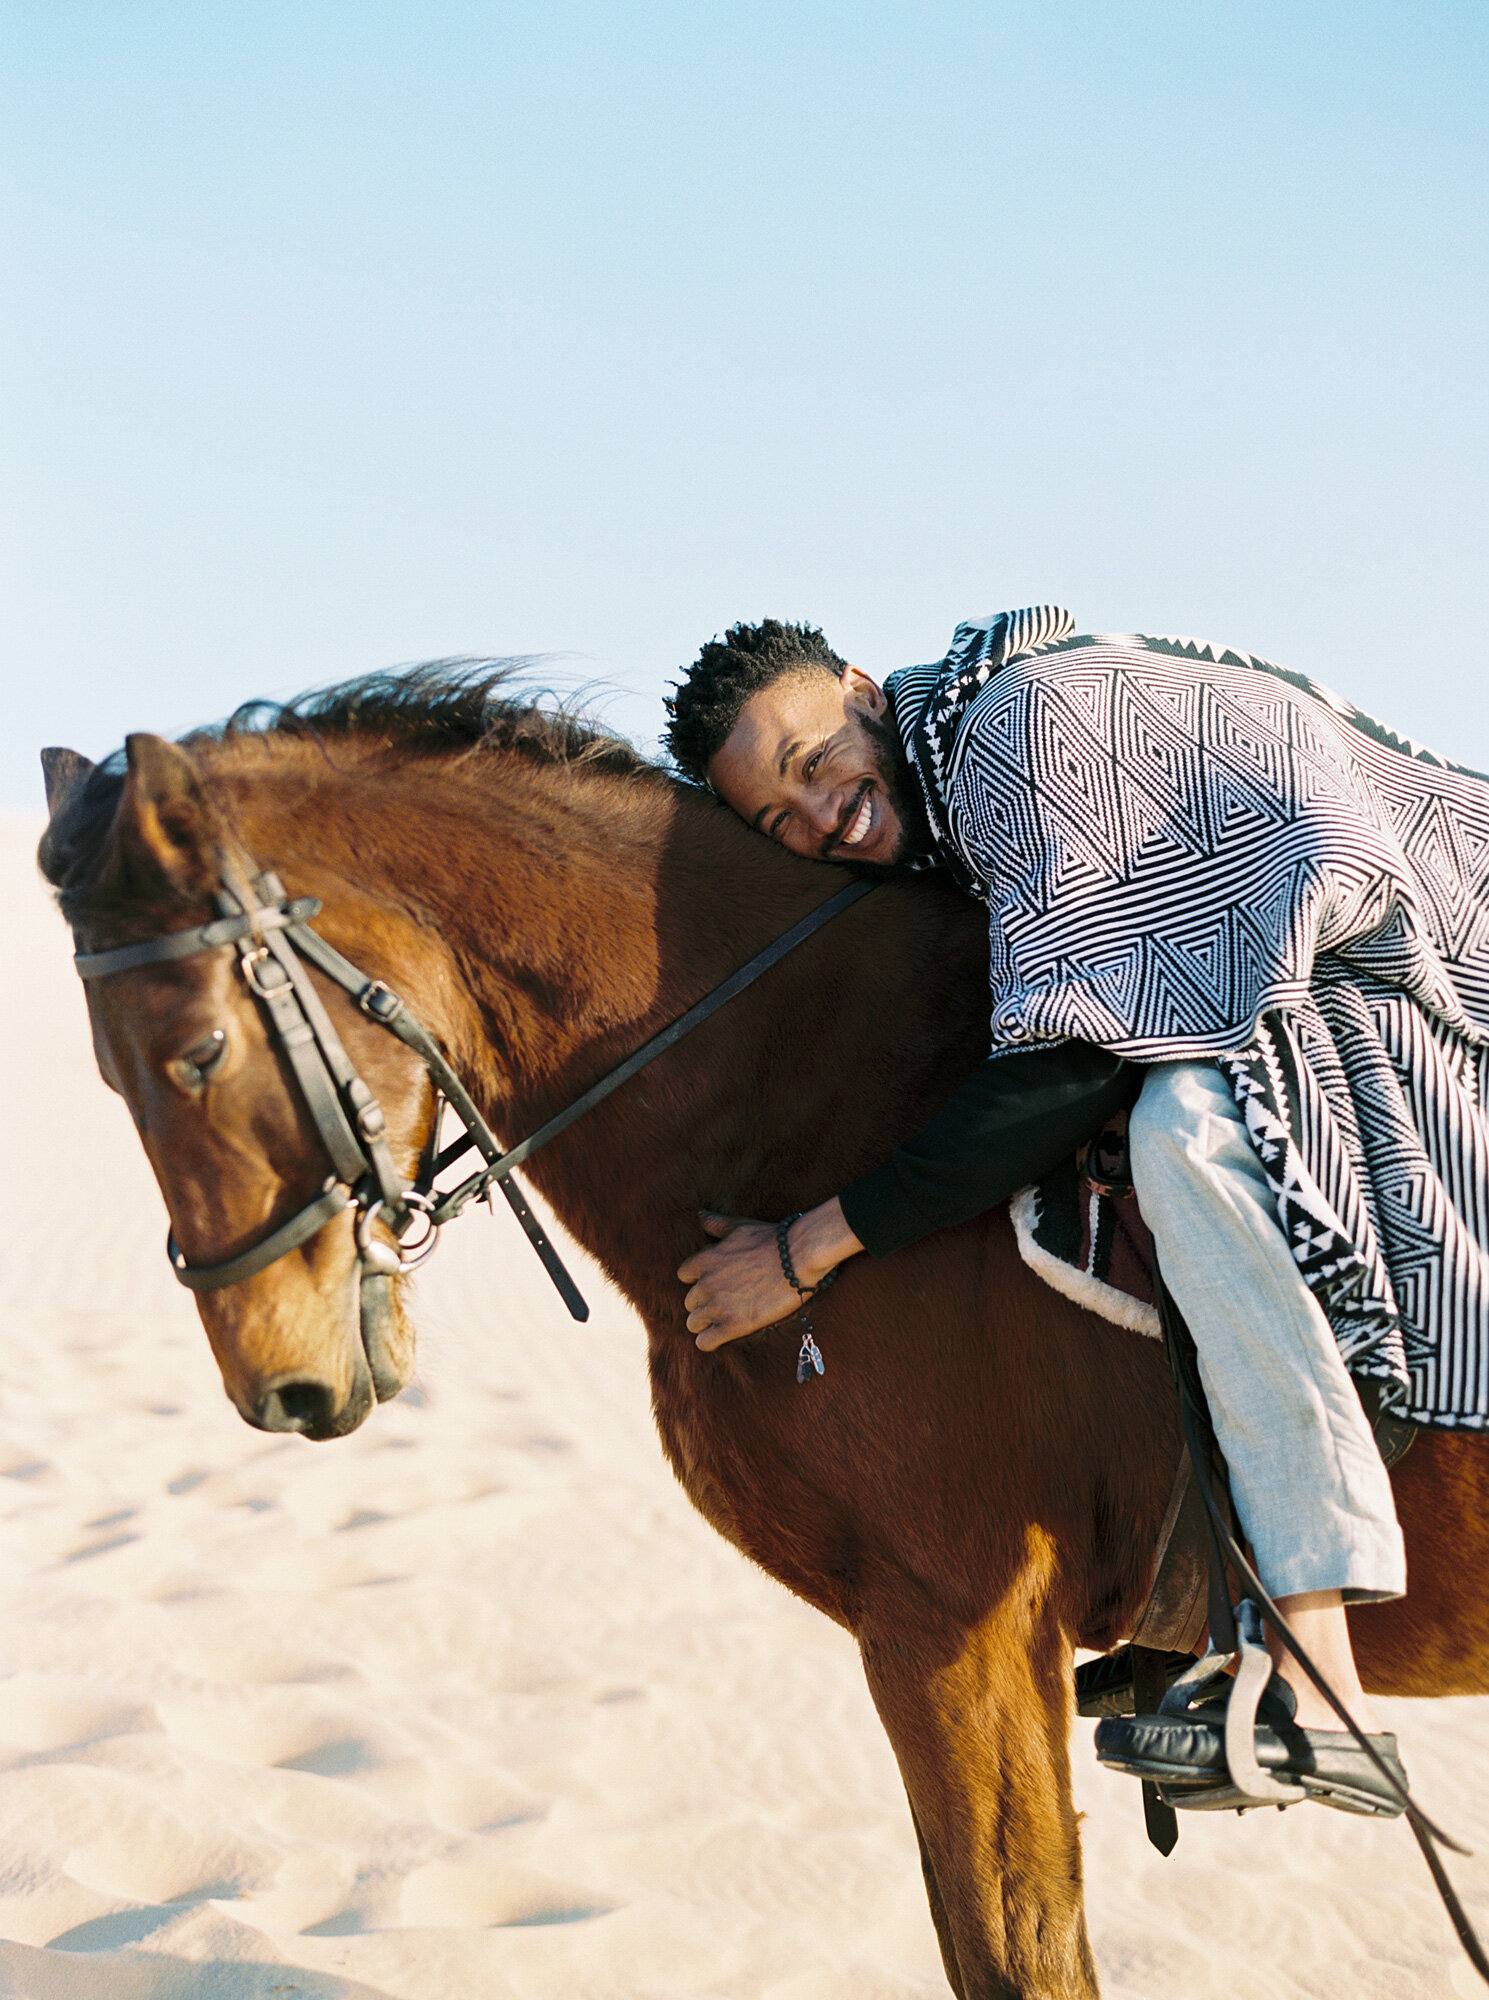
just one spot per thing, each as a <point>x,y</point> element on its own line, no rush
<point>197,1064</point>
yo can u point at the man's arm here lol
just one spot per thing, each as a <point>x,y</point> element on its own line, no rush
<point>1011,1121</point>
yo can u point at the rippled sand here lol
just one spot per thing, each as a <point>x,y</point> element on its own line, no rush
<point>470,1704</point>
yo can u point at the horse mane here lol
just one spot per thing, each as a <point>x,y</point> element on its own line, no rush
<point>454,707</point>
<point>458,704</point>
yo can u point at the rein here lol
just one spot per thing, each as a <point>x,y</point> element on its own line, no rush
<point>275,943</point>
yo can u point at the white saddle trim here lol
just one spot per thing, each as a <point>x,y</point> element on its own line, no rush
<point>1088,1291</point>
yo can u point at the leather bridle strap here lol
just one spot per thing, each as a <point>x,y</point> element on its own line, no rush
<point>322,1067</point>
<point>381,1004</point>
<point>384,1006</point>
<point>273,936</point>
<point>186,944</point>
<point>302,1225</point>
<point>659,1044</point>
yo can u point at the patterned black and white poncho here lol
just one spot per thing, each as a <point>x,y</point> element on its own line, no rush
<point>1189,852</point>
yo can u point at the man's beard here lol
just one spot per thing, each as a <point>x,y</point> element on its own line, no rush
<point>898,783</point>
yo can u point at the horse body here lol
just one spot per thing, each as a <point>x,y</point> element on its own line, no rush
<point>975,1485</point>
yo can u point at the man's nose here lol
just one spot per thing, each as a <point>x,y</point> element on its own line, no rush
<point>823,810</point>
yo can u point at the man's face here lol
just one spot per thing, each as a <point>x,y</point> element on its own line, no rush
<point>813,762</point>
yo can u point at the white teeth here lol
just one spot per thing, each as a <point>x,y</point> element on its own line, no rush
<point>860,824</point>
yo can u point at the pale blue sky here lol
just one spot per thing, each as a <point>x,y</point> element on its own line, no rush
<point>347,334</point>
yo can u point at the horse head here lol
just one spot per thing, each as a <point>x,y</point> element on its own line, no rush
<point>308,1341</point>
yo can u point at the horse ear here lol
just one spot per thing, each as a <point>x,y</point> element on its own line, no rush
<point>63,771</point>
<point>165,832</point>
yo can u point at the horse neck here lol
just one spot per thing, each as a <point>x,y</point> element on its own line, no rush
<point>551,918</point>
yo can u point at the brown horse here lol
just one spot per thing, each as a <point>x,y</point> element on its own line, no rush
<point>973,1488</point>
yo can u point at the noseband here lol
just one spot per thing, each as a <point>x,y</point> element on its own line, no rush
<point>275,944</point>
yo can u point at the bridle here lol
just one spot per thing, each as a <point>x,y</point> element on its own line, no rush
<point>275,945</point>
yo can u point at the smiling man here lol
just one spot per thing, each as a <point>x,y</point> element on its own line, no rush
<point>812,761</point>
<point>1216,888</point>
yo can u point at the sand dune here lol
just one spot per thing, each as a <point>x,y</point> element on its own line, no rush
<point>470,1704</point>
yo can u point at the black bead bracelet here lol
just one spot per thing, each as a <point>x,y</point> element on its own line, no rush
<point>809,1359</point>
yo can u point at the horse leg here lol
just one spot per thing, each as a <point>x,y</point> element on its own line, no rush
<point>938,1913</point>
<point>979,1720</point>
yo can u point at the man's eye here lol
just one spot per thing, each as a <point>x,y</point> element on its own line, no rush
<point>810,766</point>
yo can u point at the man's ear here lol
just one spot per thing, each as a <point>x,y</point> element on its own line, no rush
<point>863,693</point>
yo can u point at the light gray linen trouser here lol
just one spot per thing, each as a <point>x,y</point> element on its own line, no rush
<point>1310,1488</point>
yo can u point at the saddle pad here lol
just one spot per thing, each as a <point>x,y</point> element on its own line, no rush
<point>1080,1229</point>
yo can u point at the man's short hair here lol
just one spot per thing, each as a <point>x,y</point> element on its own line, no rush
<point>705,704</point>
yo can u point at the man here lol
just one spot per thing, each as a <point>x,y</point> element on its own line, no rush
<point>1209,877</point>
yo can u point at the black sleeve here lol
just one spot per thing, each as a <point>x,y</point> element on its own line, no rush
<point>1011,1121</point>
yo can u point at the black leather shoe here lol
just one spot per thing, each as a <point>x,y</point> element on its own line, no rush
<point>1184,1755</point>
<point>1103,1686</point>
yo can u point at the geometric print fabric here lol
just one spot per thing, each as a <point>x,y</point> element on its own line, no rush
<point>1191,852</point>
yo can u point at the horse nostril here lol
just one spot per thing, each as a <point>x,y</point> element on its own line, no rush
<point>305,1406</point>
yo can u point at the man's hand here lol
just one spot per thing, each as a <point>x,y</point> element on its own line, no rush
<point>737,1284</point>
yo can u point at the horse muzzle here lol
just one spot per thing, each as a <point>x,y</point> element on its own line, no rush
<point>304,1403</point>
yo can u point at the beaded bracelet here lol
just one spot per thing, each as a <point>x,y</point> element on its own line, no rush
<point>809,1359</point>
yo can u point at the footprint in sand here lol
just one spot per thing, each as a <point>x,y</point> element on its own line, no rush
<point>282,1727</point>
<point>343,1757</point>
<point>134,1849</point>
<point>24,1470</point>
<point>42,1715</point>
<point>235,1660</point>
<point>103,1548</point>
<point>346,1923</point>
<point>119,1927</point>
<point>469,1801</point>
<point>478,1893</point>
<point>106,1532</point>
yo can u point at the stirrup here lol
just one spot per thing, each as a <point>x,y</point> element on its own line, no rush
<point>1207,1678</point>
